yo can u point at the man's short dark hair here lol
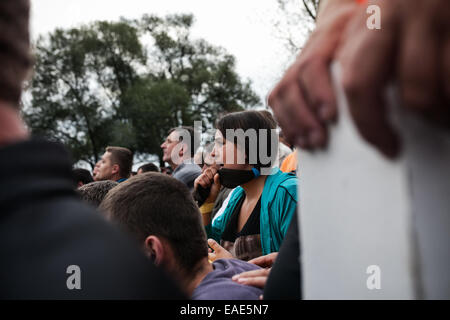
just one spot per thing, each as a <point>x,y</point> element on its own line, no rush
<point>194,137</point>
<point>156,204</point>
<point>82,175</point>
<point>149,167</point>
<point>94,192</point>
<point>122,157</point>
<point>15,55</point>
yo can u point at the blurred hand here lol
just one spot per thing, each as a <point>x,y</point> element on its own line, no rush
<point>209,179</point>
<point>303,101</point>
<point>265,261</point>
<point>255,278</point>
<point>413,48</point>
<point>219,252</point>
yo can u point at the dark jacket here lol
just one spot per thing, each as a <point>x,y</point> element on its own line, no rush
<point>44,229</point>
<point>284,282</point>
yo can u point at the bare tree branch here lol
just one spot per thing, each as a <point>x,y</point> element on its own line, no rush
<point>312,15</point>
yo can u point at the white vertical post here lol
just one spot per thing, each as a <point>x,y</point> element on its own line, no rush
<point>357,209</point>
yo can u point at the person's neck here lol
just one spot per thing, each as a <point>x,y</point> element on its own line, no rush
<point>116,177</point>
<point>12,128</point>
<point>174,165</point>
<point>254,187</point>
<point>191,279</point>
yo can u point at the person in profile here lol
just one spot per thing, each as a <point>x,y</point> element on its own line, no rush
<point>178,151</point>
<point>115,165</point>
<point>258,213</point>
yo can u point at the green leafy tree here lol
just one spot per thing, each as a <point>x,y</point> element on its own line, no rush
<point>79,77</point>
<point>154,107</point>
<point>127,83</point>
<point>207,72</point>
<point>187,80</point>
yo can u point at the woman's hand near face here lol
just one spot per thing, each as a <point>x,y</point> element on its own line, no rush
<point>209,179</point>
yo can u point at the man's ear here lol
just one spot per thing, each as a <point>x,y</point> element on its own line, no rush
<point>115,169</point>
<point>183,150</point>
<point>154,249</point>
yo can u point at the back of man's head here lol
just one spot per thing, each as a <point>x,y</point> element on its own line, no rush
<point>82,176</point>
<point>148,167</point>
<point>94,192</point>
<point>156,204</point>
<point>15,58</point>
<point>122,157</point>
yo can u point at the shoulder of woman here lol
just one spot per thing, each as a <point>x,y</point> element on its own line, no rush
<point>282,186</point>
<point>284,180</point>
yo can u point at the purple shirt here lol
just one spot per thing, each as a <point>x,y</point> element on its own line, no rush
<point>217,285</point>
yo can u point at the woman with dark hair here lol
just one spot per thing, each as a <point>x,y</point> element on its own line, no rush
<point>260,208</point>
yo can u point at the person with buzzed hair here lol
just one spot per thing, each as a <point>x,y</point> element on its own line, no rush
<point>93,193</point>
<point>115,165</point>
<point>48,237</point>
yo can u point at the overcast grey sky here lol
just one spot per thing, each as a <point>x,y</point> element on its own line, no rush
<point>243,27</point>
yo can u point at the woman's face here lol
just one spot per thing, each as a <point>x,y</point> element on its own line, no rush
<point>226,153</point>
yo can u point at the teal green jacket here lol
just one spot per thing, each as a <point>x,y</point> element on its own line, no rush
<point>278,205</point>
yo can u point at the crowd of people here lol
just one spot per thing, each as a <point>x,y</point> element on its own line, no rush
<point>218,203</point>
<point>218,223</point>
